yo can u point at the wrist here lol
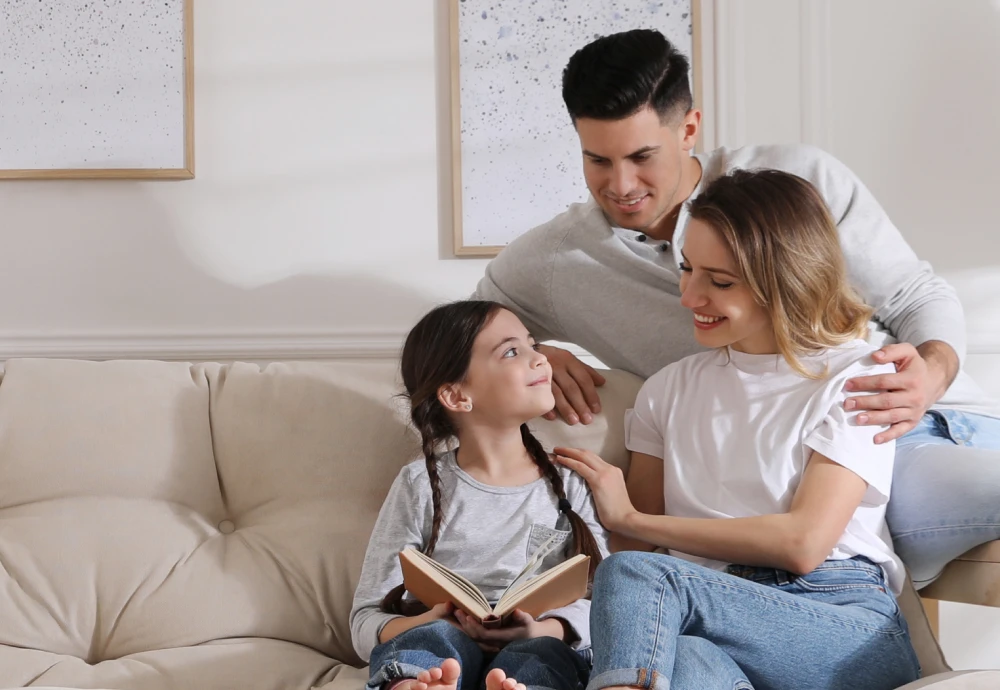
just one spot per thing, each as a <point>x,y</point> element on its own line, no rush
<point>629,524</point>
<point>554,627</point>
<point>942,366</point>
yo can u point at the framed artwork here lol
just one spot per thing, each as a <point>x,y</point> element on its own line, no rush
<point>96,89</point>
<point>516,160</point>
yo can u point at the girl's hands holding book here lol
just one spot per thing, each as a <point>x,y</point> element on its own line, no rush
<point>520,626</point>
<point>607,484</point>
<point>397,626</point>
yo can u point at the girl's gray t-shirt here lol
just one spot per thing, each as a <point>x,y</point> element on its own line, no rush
<point>487,534</point>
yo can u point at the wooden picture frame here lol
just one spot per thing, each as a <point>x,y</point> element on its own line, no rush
<point>184,150</point>
<point>463,245</point>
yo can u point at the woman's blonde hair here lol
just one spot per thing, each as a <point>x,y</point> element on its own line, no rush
<point>787,251</point>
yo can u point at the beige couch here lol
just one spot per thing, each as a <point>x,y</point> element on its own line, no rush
<point>173,526</point>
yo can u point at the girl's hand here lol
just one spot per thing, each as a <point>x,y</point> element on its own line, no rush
<point>521,626</point>
<point>441,612</point>
<point>606,482</point>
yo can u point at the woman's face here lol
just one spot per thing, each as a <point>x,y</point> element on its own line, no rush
<point>725,312</point>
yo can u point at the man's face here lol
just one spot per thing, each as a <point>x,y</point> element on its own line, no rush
<point>634,166</point>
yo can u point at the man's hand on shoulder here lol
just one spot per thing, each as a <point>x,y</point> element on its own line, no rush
<point>574,385</point>
<point>922,376</point>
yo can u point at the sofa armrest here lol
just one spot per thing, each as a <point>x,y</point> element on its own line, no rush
<point>972,578</point>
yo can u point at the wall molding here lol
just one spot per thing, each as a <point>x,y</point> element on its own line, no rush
<point>816,73</point>
<point>723,84</point>
<point>271,346</point>
<point>208,346</point>
<point>204,346</point>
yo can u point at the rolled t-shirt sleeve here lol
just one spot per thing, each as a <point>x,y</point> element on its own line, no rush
<point>851,445</point>
<point>644,423</point>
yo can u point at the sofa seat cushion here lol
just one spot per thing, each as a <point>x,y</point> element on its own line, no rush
<point>237,663</point>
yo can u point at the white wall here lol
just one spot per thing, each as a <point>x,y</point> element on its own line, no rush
<point>907,93</point>
<point>314,225</point>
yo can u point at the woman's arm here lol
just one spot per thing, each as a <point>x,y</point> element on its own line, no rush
<point>645,488</point>
<point>797,541</point>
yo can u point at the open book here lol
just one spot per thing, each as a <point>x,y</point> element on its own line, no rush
<point>431,583</point>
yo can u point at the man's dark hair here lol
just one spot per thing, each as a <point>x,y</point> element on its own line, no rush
<point>616,76</point>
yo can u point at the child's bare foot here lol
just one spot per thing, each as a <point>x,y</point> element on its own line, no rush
<point>498,680</point>
<point>443,677</point>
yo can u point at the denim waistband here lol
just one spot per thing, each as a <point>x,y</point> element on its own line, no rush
<point>760,574</point>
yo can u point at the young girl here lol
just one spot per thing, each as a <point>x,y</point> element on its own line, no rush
<point>747,467</point>
<point>472,374</point>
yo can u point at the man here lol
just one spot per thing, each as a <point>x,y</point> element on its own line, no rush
<point>604,275</point>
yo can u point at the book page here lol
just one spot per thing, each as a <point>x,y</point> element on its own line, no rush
<point>559,586</point>
<point>529,584</point>
<point>458,584</point>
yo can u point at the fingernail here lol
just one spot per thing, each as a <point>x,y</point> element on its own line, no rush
<point>587,419</point>
<point>596,408</point>
<point>850,404</point>
<point>849,386</point>
<point>572,420</point>
<point>862,419</point>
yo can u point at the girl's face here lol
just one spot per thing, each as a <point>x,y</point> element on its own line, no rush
<point>725,311</point>
<point>509,382</point>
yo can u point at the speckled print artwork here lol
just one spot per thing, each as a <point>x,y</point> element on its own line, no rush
<point>521,162</point>
<point>91,84</point>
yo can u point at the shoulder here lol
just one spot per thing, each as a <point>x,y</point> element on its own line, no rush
<point>577,489</point>
<point>676,373</point>
<point>851,360</point>
<point>547,238</point>
<point>413,477</point>
<point>827,173</point>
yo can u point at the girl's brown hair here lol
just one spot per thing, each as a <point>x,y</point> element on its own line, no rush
<point>437,353</point>
<point>787,251</point>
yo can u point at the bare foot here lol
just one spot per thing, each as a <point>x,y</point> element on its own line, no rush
<point>498,680</point>
<point>443,677</point>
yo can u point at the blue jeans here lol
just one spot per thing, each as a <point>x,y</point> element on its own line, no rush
<point>945,490</point>
<point>663,623</point>
<point>542,662</point>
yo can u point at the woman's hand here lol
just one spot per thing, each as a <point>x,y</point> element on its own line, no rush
<point>521,626</point>
<point>606,482</point>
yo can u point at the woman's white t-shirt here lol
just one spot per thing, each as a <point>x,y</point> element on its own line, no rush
<point>735,432</point>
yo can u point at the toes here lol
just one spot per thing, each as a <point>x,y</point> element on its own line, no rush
<point>450,671</point>
<point>496,679</point>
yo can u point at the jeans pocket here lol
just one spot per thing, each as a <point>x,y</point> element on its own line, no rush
<point>540,534</point>
<point>954,425</point>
